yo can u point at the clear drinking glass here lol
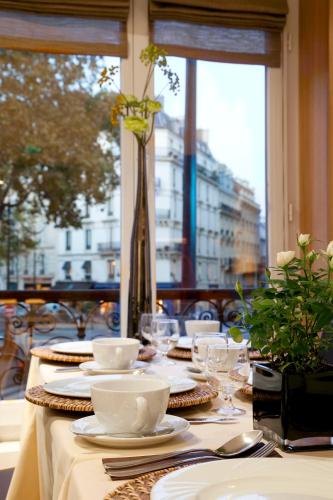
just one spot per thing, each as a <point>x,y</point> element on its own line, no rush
<point>165,335</point>
<point>145,326</point>
<point>200,344</point>
<point>221,360</point>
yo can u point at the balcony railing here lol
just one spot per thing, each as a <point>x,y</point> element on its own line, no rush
<point>110,247</point>
<point>42,317</point>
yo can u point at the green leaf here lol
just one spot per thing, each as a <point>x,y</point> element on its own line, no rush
<point>236,334</point>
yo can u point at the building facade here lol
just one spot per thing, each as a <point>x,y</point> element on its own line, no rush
<point>230,236</point>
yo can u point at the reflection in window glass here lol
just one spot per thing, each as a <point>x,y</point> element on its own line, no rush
<point>59,171</point>
<point>230,236</point>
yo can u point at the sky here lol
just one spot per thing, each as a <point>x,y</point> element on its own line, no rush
<point>231,106</point>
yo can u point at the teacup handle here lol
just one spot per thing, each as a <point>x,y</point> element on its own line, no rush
<point>141,414</point>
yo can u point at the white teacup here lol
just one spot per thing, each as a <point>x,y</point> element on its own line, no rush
<point>129,404</point>
<point>115,353</point>
<point>193,326</point>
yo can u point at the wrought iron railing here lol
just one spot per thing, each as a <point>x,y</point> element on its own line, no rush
<point>41,317</point>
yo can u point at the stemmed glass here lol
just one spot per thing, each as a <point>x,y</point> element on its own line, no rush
<point>165,335</point>
<point>145,326</point>
<point>221,359</point>
<point>200,343</point>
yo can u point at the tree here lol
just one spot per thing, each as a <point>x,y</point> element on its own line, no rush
<point>54,136</point>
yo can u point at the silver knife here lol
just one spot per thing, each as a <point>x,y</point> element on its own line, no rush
<point>211,420</point>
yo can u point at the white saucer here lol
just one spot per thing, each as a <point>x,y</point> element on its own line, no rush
<point>88,426</point>
<point>196,375</point>
<point>79,387</point>
<point>184,343</point>
<point>79,347</point>
<point>94,367</point>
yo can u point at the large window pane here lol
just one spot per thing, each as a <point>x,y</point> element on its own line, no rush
<point>59,173</point>
<point>229,234</point>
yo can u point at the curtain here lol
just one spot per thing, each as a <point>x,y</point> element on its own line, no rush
<point>70,26</point>
<point>241,31</point>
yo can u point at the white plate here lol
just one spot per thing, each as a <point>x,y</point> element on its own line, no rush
<point>94,367</point>
<point>81,347</point>
<point>249,479</point>
<point>88,425</point>
<point>76,387</point>
<point>178,385</point>
<point>79,387</point>
<point>184,343</point>
<point>196,375</point>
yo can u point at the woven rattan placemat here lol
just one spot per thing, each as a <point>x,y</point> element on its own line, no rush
<point>180,354</point>
<point>246,391</point>
<point>186,354</point>
<point>140,488</point>
<point>38,396</point>
<point>145,354</point>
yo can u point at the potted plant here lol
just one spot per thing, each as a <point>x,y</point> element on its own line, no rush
<point>290,322</point>
<point>138,115</point>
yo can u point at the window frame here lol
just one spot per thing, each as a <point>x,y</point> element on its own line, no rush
<point>282,145</point>
<point>281,133</point>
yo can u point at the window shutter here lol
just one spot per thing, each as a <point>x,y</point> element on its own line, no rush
<point>239,31</point>
<point>70,26</point>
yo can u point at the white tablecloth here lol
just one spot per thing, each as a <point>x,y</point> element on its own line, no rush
<point>55,465</point>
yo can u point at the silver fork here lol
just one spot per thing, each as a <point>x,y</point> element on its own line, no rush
<point>265,450</point>
<point>135,471</point>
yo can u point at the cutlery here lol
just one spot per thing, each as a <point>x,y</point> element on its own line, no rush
<point>132,472</point>
<point>233,447</point>
<point>210,420</point>
<point>68,369</point>
<point>265,450</point>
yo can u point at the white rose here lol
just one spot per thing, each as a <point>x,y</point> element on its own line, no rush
<point>312,255</point>
<point>304,240</point>
<point>283,258</point>
<point>329,250</point>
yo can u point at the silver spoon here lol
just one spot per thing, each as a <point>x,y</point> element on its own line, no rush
<point>232,448</point>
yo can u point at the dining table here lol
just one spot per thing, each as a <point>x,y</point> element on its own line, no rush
<point>54,464</point>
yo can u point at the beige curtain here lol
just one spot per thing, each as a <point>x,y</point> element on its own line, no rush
<point>70,26</point>
<point>223,30</point>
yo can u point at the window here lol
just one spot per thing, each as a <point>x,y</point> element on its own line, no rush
<point>215,147</point>
<point>68,240</point>
<point>71,164</point>
<point>111,264</point>
<point>88,239</point>
<point>230,172</point>
<point>67,268</point>
<point>42,264</point>
<point>87,267</point>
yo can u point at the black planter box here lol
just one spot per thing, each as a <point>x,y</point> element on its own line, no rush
<point>294,409</point>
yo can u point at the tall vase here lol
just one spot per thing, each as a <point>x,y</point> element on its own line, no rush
<point>140,285</point>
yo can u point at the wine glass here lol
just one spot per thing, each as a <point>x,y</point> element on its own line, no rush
<point>200,343</point>
<point>221,359</point>
<point>145,325</point>
<point>165,335</point>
